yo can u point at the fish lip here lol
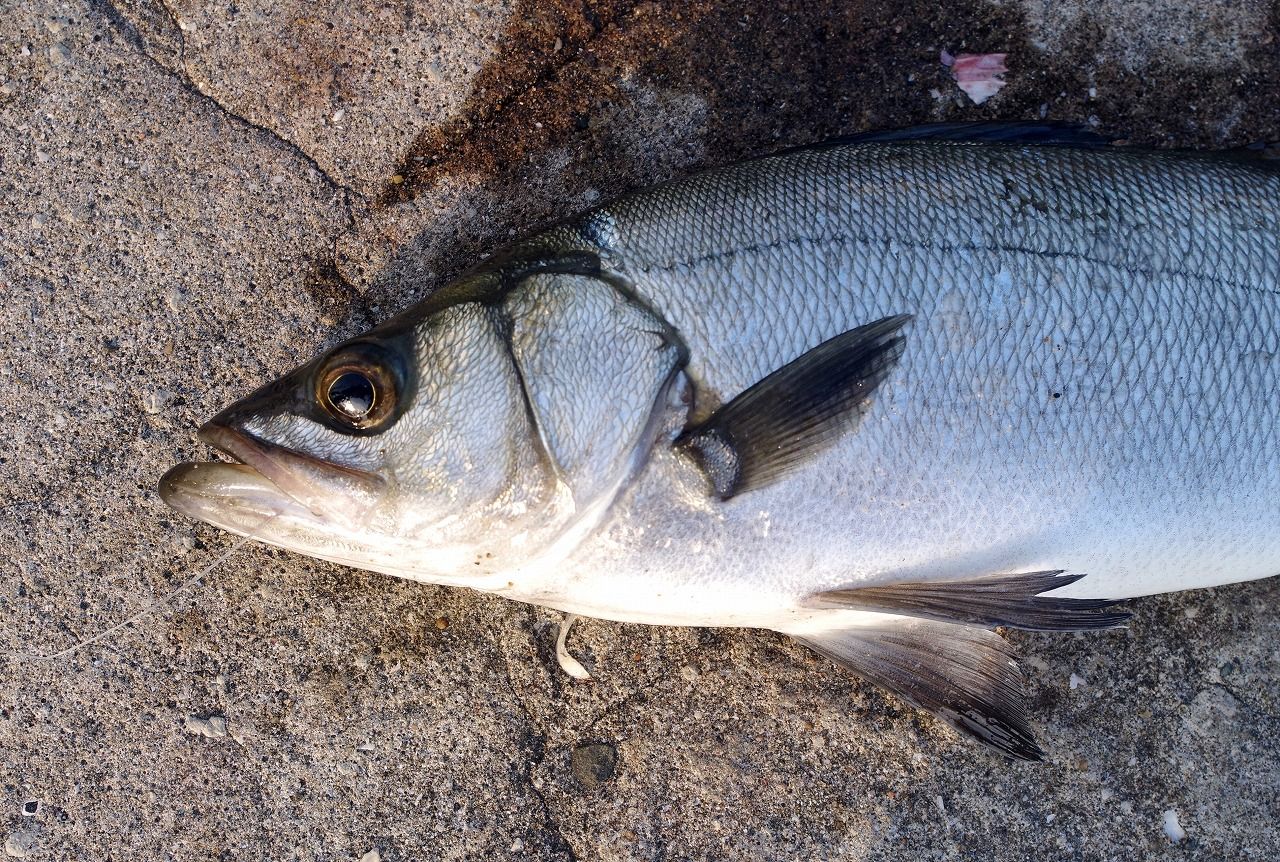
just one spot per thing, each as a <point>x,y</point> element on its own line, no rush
<point>304,479</point>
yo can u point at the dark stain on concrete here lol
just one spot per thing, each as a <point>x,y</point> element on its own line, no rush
<point>790,72</point>
<point>773,74</point>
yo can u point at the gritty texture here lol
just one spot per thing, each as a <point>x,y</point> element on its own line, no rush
<point>182,217</point>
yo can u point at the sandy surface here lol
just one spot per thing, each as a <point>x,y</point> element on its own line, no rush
<point>195,197</point>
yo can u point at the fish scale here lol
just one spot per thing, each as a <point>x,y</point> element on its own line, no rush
<point>880,394</point>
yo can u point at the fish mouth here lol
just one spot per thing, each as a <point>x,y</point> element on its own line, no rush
<point>265,481</point>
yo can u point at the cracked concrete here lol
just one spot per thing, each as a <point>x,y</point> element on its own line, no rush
<point>194,198</point>
<point>128,30</point>
<point>350,83</point>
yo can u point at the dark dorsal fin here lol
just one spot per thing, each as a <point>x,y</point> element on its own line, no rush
<point>964,675</point>
<point>999,600</point>
<point>796,411</point>
<point>1041,133</point>
<point>1261,154</point>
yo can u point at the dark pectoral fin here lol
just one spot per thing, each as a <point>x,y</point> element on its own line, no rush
<point>1000,600</point>
<point>796,411</point>
<point>966,676</point>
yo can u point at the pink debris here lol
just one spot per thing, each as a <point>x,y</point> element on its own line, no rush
<point>980,75</point>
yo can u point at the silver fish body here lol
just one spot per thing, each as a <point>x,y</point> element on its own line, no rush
<point>1086,383</point>
<point>1090,382</point>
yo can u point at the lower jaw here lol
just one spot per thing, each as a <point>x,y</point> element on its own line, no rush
<point>226,495</point>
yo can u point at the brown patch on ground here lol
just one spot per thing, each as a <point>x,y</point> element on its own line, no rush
<point>1165,105</point>
<point>773,74</point>
<point>545,132</point>
<point>791,72</point>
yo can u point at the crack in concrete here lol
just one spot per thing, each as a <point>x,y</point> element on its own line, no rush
<point>1247,701</point>
<point>120,23</point>
<point>558,841</point>
<point>182,34</point>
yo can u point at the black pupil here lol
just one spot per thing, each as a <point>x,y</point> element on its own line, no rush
<point>352,394</point>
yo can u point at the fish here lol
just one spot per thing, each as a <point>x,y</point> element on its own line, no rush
<point>886,395</point>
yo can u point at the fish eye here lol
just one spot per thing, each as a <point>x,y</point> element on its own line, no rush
<point>357,388</point>
<point>352,394</point>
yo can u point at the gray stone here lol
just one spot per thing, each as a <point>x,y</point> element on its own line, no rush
<point>211,727</point>
<point>593,764</point>
<point>21,844</point>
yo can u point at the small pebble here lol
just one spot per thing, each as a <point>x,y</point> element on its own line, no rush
<point>593,764</point>
<point>1212,712</point>
<point>1077,681</point>
<point>59,54</point>
<point>155,400</point>
<point>213,727</point>
<point>20,845</point>
<point>31,808</point>
<point>1172,828</point>
<point>372,856</point>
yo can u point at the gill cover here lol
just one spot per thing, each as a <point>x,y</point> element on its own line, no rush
<point>595,366</point>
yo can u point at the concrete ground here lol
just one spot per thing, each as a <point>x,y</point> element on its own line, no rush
<point>195,197</point>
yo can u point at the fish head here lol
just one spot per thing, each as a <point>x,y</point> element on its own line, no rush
<point>405,449</point>
<point>449,444</point>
